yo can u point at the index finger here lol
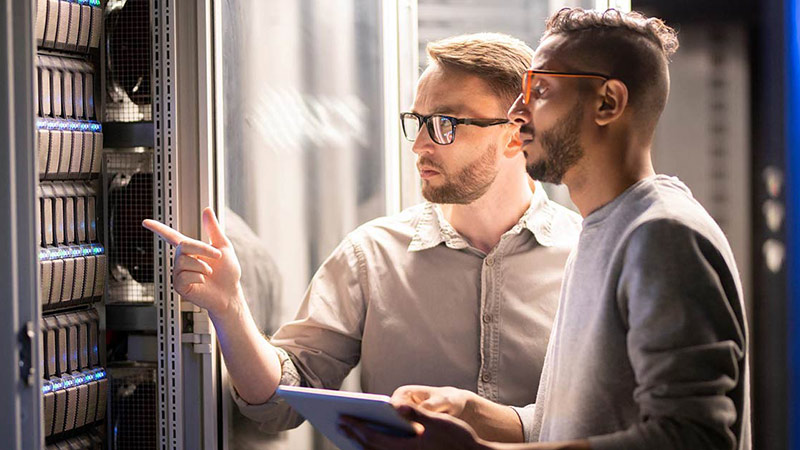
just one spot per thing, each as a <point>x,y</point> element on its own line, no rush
<point>193,247</point>
<point>173,237</point>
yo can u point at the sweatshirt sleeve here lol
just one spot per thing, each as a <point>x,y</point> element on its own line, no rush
<point>686,342</point>
<point>526,416</point>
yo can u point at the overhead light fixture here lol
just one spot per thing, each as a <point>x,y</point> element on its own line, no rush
<point>619,5</point>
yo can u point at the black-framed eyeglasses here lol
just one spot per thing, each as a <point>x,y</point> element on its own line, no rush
<point>527,79</point>
<point>441,128</point>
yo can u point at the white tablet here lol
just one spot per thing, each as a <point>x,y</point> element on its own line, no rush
<point>322,407</point>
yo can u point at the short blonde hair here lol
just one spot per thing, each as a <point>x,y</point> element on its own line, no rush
<point>499,59</point>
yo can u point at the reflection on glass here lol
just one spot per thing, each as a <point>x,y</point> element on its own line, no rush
<point>303,147</point>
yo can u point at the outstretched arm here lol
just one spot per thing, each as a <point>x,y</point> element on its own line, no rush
<point>208,276</point>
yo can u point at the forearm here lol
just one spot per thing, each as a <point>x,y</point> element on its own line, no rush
<point>492,421</point>
<point>500,425</point>
<point>252,363</point>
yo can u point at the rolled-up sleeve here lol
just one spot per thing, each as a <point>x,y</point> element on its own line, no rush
<point>686,342</point>
<point>275,414</point>
<point>323,343</point>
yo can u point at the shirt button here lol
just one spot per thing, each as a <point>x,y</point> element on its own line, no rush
<point>489,261</point>
<point>486,377</point>
<point>487,318</point>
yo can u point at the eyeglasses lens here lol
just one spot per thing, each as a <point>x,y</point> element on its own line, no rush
<point>410,126</point>
<point>443,131</point>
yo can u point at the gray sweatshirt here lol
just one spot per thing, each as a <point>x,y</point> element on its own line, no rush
<point>648,350</point>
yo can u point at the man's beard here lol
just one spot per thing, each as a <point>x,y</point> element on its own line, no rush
<point>562,148</point>
<point>468,185</point>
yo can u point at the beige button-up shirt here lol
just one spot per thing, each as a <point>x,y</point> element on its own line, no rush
<point>415,303</point>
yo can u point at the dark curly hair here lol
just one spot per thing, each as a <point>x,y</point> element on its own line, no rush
<point>569,20</point>
<point>628,46</point>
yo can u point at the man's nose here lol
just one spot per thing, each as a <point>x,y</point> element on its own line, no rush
<point>519,112</point>
<point>423,142</point>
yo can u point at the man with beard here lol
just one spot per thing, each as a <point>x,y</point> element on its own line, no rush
<point>440,294</point>
<point>649,347</point>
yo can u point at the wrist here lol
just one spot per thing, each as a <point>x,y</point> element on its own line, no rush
<point>230,309</point>
<point>472,408</point>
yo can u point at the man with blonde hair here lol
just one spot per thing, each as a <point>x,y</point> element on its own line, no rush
<point>649,349</point>
<point>441,294</point>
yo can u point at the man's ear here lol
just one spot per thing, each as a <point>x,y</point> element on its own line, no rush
<point>614,100</point>
<point>513,145</point>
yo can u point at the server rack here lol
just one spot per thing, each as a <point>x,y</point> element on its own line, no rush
<point>100,344</point>
<point>154,352</point>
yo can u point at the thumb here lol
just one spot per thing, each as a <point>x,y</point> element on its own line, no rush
<point>214,230</point>
<point>408,395</point>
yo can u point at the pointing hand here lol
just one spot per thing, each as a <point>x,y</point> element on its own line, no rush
<point>204,274</point>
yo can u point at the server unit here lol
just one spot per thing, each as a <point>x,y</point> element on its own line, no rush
<point>72,255</point>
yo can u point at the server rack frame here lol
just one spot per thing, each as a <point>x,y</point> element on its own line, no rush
<point>170,431</point>
<point>185,86</point>
<point>21,399</point>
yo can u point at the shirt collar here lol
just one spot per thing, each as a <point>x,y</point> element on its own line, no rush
<point>433,229</point>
